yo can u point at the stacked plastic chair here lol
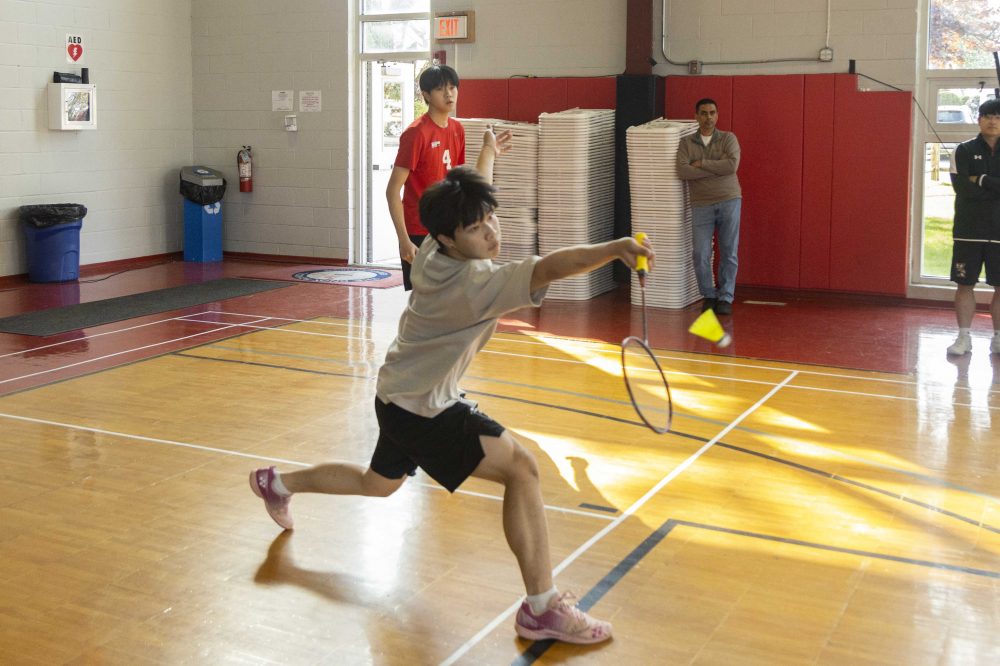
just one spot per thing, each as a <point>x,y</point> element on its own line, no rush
<point>576,191</point>
<point>515,174</point>
<point>662,209</point>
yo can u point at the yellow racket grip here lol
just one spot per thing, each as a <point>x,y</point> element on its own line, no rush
<point>641,264</point>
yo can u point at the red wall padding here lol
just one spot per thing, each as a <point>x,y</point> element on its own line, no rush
<point>591,93</point>
<point>766,118</point>
<point>482,98</point>
<point>869,231</point>
<point>817,182</point>
<point>681,93</point>
<point>826,179</point>
<point>531,97</point>
<point>524,99</point>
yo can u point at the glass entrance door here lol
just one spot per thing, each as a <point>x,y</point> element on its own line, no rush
<point>392,102</point>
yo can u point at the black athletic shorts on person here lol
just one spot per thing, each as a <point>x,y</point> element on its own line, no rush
<point>967,259</point>
<point>405,265</point>
<point>446,446</point>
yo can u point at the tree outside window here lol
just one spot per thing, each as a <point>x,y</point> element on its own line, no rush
<point>963,34</point>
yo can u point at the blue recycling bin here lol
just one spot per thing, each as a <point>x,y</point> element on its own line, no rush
<point>52,240</point>
<point>53,252</point>
<point>202,231</point>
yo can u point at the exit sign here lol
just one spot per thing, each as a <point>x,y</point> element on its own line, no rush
<point>455,27</point>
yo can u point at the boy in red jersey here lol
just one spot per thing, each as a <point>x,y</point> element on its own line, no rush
<point>431,146</point>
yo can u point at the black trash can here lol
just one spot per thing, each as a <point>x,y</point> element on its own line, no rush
<point>52,240</point>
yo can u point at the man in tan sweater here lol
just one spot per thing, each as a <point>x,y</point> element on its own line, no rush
<point>708,161</point>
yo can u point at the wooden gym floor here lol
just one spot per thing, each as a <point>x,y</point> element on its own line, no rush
<point>802,511</point>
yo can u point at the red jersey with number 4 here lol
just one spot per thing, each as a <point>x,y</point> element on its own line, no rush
<point>428,151</point>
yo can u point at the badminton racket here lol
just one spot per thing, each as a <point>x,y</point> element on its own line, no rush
<point>645,380</point>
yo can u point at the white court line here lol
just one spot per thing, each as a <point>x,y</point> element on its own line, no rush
<point>97,335</point>
<point>222,327</point>
<point>488,629</point>
<point>570,361</point>
<point>535,341</point>
<point>255,456</point>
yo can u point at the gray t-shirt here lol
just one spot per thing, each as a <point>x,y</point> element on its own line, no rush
<point>452,312</point>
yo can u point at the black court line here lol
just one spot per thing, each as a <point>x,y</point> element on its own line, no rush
<point>272,366</point>
<point>598,507</point>
<point>697,438</point>
<point>923,478</point>
<point>859,484</point>
<point>613,577</point>
<point>986,573</point>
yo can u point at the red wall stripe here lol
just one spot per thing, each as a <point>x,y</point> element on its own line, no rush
<point>681,93</point>
<point>869,233</point>
<point>591,93</point>
<point>531,97</point>
<point>817,182</point>
<point>482,98</point>
<point>767,120</point>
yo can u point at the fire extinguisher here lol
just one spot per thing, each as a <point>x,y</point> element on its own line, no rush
<point>244,160</point>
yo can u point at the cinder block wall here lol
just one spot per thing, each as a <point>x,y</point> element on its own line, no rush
<point>880,35</point>
<point>125,171</point>
<point>303,197</point>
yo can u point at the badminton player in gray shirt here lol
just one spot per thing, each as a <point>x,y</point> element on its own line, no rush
<point>424,421</point>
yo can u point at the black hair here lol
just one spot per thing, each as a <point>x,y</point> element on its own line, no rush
<point>436,76</point>
<point>704,100</point>
<point>990,107</point>
<point>462,198</point>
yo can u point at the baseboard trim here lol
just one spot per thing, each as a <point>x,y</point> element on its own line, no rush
<point>90,270</point>
<point>283,259</point>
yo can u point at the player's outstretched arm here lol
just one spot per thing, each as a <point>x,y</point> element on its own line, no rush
<point>493,146</point>
<point>570,261</point>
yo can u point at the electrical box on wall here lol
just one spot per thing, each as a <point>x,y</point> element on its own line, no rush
<point>72,106</point>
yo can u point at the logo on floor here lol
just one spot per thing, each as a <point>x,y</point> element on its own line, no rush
<point>337,275</point>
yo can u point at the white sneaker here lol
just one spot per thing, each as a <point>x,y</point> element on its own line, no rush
<point>962,345</point>
<point>995,345</point>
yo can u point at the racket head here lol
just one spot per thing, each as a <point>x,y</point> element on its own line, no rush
<point>647,385</point>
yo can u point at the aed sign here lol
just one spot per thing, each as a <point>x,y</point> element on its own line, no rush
<point>454,27</point>
<point>74,48</point>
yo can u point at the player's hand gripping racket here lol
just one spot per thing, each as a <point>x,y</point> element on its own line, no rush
<point>644,378</point>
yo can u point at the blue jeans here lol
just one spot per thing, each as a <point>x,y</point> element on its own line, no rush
<point>723,217</point>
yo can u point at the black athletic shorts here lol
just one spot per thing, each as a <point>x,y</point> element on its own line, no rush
<point>446,446</point>
<point>407,285</point>
<point>967,259</point>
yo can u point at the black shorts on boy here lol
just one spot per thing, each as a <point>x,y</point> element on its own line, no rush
<point>967,259</point>
<point>445,446</point>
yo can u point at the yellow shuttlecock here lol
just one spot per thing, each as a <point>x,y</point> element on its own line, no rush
<point>707,326</point>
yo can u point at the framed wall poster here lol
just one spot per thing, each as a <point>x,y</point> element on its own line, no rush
<point>72,106</point>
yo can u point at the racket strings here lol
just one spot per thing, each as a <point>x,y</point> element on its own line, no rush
<point>646,384</point>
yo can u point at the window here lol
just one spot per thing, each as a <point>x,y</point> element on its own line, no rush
<point>938,210</point>
<point>963,34</point>
<point>396,36</point>
<point>394,6</point>
<point>395,26</point>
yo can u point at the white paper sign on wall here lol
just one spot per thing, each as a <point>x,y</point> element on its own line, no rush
<point>282,100</point>
<point>310,101</point>
<point>74,48</point>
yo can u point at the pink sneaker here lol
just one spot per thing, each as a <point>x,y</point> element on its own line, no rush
<point>563,621</point>
<point>276,505</point>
